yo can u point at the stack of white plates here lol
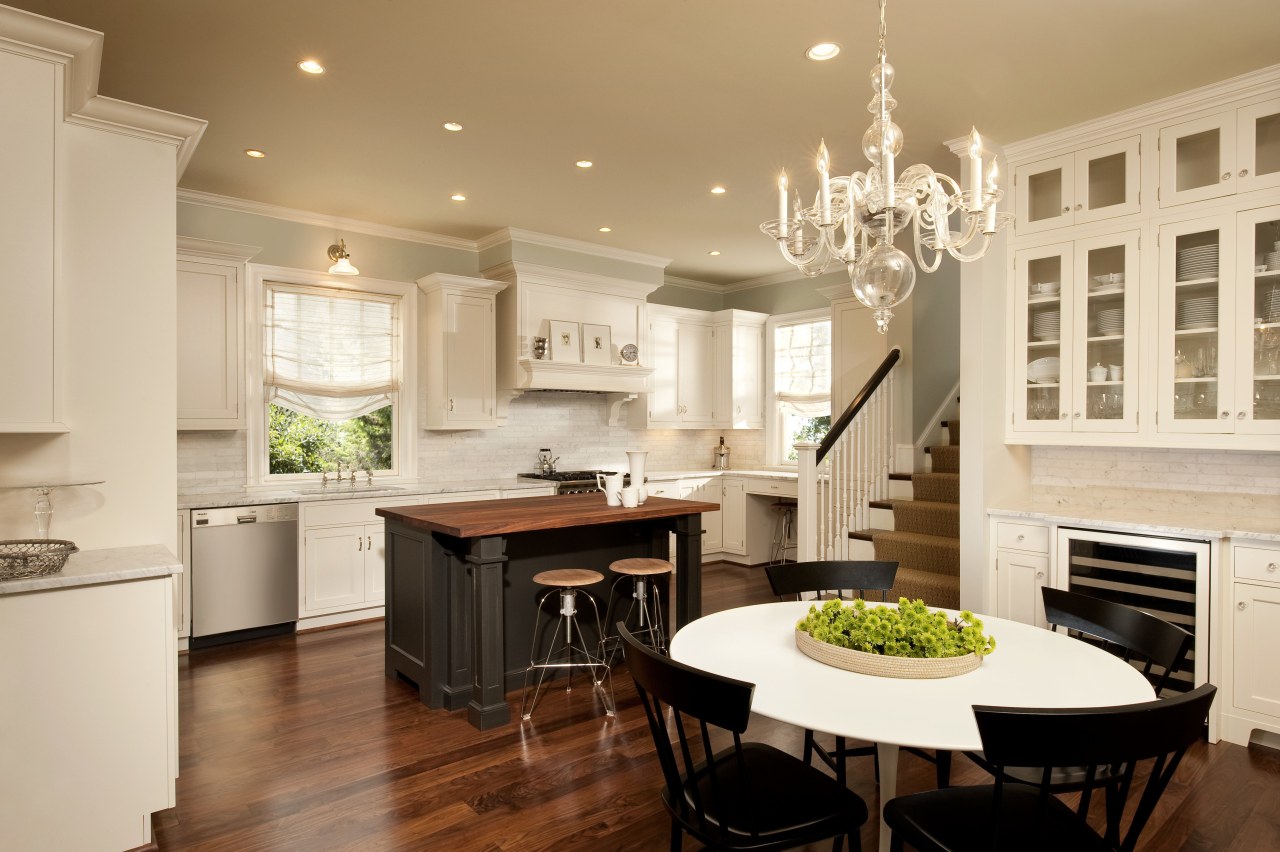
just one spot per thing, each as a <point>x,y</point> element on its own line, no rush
<point>1046,325</point>
<point>1201,312</point>
<point>1197,262</point>
<point>1111,321</point>
<point>1271,306</point>
<point>1273,260</point>
<point>1043,370</point>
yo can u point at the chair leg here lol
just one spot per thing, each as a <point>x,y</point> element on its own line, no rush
<point>677,836</point>
<point>840,761</point>
<point>942,762</point>
<point>837,843</point>
<point>895,843</point>
<point>808,747</point>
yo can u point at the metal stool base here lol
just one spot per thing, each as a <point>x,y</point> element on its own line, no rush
<point>644,601</point>
<point>566,642</point>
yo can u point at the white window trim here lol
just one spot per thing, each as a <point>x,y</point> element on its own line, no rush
<point>406,438</point>
<point>772,422</point>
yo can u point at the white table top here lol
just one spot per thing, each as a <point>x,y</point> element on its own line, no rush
<point>1031,667</point>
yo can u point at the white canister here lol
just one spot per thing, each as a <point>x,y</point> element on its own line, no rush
<point>1097,373</point>
<point>1115,372</point>
<point>611,485</point>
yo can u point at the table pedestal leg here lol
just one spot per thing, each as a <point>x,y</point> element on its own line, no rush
<point>887,754</point>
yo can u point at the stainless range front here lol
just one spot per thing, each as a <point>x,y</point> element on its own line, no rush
<point>570,481</point>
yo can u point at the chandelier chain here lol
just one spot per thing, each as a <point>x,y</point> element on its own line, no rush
<point>883,51</point>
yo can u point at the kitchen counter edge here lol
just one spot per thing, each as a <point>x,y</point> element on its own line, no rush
<point>97,567</point>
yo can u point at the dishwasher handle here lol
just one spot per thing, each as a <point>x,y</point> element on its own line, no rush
<point>246,519</point>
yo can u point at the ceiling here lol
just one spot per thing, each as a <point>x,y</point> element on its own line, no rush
<point>666,97</point>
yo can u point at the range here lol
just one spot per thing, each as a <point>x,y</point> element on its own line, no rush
<point>571,481</point>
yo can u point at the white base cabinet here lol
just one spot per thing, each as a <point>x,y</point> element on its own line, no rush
<point>1252,697</point>
<point>1022,570</point>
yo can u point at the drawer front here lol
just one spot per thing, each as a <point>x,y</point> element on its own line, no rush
<point>461,497</point>
<point>1256,563</point>
<point>350,512</point>
<point>1030,537</point>
<point>772,487</point>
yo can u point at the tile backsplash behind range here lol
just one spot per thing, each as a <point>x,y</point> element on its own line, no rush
<point>572,425</point>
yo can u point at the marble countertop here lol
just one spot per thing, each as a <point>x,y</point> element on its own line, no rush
<point>243,497</point>
<point>1185,514</point>
<point>95,567</point>
<point>663,475</point>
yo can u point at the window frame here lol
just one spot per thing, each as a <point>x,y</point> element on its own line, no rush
<point>405,401</point>
<point>774,456</point>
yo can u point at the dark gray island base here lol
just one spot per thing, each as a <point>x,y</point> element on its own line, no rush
<point>460,597</point>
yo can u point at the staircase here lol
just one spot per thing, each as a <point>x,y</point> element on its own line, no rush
<point>925,539</point>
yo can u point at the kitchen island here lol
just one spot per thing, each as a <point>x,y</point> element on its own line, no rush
<point>460,597</point>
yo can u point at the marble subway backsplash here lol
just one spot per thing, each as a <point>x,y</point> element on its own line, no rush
<point>572,425</point>
<point>1191,471</point>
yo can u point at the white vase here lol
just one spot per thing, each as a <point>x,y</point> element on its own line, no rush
<point>635,461</point>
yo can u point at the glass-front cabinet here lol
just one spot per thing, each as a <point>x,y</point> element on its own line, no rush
<point>1258,319</point>
<point>1077,324</point>
<point>1100,182</point>
<point>1221,154</point>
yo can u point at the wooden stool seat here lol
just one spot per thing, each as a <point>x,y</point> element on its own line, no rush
<point>568,577</point>
<point>640,567</point>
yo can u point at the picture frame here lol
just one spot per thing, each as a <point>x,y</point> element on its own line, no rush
<point>566,346</point>
<point>597,347</point>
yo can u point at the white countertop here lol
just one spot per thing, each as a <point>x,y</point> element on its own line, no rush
<point>95,567</point>
<point>243,497</point>
<point>1185,514</point>
<point>663,475</point>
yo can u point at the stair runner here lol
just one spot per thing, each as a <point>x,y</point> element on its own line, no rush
<point>925,540</point>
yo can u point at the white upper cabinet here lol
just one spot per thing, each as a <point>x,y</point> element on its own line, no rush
<point>1100,182</point>
<point>739,369</point>
<point>681,345</point>
<point>458,345</point>
<point>1218,155</point>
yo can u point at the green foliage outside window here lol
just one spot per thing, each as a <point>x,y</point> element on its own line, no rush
<point>303,444</point>
<point>807,429</point>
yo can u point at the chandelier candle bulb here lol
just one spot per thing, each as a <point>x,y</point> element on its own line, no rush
<point>782,204</point>
<point>989,227</point>
<point>824,187</point>
<point>975,168</point>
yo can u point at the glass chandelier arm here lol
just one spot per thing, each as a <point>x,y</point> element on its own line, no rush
<point>963,258</point>
<point>921,245</point>
<point>812,252</point>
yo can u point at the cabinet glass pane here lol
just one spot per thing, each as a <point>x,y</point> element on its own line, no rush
<point>1104,333</point>
<point>1197,262</point>
<point>1044,333</point>
<point>1266,142</point>
<point>1197,160</point>
<point>1044,195</point>
<point>1107,181</point>
<point>1265,277</point>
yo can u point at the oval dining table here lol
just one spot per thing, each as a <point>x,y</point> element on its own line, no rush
<point>1030,667</point>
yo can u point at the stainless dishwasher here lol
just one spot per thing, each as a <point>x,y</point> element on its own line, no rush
<point>244,572</point>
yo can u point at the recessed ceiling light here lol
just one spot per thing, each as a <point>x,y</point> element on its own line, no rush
<point>255,153</point>
<point>311,66</point>
<point>714,253</point>
<point>452,126</point>
<point>605,230</point>
<point>458,196</point>
<point>823,51</point>
<point>585,164</point>
<point>718,190</point>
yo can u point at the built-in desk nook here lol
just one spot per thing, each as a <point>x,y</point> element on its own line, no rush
<point>460,597</point>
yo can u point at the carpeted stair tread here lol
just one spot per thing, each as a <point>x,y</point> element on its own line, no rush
<point>953,430</point>
<point>867,534</point>
<point>928,566</point>
<point>938,590</point>
<point>936,487</point>
<point>945,458</point>
<point>927,517</point>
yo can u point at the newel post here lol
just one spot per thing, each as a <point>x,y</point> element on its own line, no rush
<point>807,500</point>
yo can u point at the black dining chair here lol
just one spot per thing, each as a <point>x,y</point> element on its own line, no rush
<point>833,577</point>
<point>1018,815</point>
<point>746,795</point>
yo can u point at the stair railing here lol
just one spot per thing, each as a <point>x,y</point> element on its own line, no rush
<point>839,478</point>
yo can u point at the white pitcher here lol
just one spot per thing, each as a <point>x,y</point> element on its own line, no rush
<point>635,461</point>
<point>611,485</point>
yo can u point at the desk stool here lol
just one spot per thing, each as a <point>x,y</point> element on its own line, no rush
<point>646,605</point>
<point>567,639</point>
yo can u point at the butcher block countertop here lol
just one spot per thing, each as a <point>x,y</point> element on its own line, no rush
<point>525,514</point>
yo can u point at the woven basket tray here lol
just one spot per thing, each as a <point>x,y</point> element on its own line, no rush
<point>878,664</point>
<point>33,557</point>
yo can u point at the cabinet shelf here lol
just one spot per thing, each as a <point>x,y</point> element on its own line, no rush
<point>1107,338</point>
<point>1192,283</point>
<point>1196,380</point>
<point>1194,332</point>
<point>1117,383</point>
<point>1106,291</point>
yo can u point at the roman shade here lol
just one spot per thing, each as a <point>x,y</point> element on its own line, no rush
<point>802,368</point>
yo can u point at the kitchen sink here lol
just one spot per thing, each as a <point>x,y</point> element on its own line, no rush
<point>348,490</point>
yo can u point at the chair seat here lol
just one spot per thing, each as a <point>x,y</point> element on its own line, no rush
<point>960,819</point>
<point>568,577</point>
<point>641,567</point>
<point>794,803</point>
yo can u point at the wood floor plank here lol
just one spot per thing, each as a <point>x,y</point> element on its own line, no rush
<point>301,743</point>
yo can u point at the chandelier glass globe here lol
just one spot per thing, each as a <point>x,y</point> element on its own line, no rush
<point>882,280</point>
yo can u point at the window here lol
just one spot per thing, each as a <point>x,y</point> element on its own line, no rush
<point>800,383</point>
<point>334,374</point>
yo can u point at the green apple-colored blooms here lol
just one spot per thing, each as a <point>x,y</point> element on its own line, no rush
<point>909,630</point>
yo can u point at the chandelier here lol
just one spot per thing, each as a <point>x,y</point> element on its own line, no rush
<point>854,219</point>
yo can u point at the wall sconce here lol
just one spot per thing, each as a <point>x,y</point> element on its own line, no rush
<point>341,260</point>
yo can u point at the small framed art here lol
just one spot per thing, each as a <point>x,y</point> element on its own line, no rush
<point>597,348</point>
<point>565,345</point>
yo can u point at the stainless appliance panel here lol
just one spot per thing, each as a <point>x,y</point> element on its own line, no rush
<point>244,568</point>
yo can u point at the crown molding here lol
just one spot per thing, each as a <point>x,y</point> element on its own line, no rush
<point>690,284</point>
<point>305,217</point>
<point>519,235</point>
<point>517,271</point>
<point>144,122</point>
<point>763,281</point>
<point>216,249</point>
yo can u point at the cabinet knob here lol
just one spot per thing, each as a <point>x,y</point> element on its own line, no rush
<point>1062,416</point>
<point>1224,415</point>
<point>1066,209</point>
<point>1244,173</point>
<point>1242,606</point>
<point>1079,206</point>
<point>1226,175</point>
<point>1039,575</point>
<point>1271,567</point>
<point>1077,415</point>
<point>1021,537</point>
<point>451,405</point>
<point>1240,416</point>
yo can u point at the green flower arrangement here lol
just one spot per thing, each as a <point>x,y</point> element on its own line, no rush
<point>910,630</point>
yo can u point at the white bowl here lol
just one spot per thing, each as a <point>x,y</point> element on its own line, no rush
<point>1043,370</point>
<point>1047,288</point>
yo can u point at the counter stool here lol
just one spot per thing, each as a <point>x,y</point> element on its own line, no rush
<point>567,639</point>
<point>646,605</point>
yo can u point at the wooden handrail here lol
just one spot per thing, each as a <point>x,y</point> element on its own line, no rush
<point>859,400</point>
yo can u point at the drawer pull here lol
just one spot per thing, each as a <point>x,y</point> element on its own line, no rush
<point>1242,606</point>
<point>1271,566</point>
<point>360,543</point>
<point>1021,537</point>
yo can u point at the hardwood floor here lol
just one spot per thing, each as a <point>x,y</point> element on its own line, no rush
<point>301,743</point>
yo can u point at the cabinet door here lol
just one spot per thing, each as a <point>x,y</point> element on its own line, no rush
<point>1258,146</point>
<point>1045,194</point>
<point>695,384</point>
<point>1197,159</point>
<point>334,567</point>
<point>748,378</point>
<point>1104,342</point>
<point>663,348</point>
<point>1257,634</point>
<point>375,563</point>
<point>1196,274</point>
<point>469,360</point>
<point>209,358</point>
<point>708,491</point>
<point>1107,181</point>
<point>1257,391</point>
<point>182,602</point>
<point>733,516</point>
<point>1044,281</point>
<point>1019,579</point>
